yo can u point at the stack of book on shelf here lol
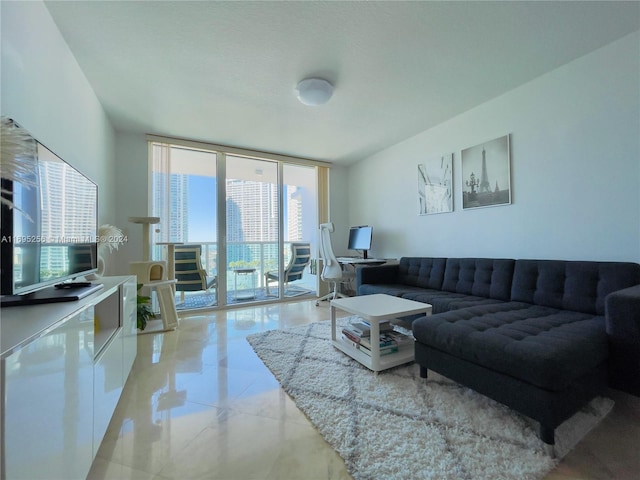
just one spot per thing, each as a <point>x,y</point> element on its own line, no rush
<point>358,335</point>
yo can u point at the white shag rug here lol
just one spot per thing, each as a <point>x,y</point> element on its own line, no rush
<point>396,425</point>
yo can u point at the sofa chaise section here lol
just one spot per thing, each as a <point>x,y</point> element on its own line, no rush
<point>543,362</point>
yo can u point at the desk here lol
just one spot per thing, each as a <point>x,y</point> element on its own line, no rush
<point>355,261</point>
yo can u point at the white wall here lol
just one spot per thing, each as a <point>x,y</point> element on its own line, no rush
<point>575,145</point>
<point>133,193</point>
<point>44,90</point>
<point>338,209</point>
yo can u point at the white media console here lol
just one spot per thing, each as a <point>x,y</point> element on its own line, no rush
<point>63,368</point>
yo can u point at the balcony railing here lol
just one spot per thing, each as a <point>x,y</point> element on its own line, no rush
<point>261,256</point>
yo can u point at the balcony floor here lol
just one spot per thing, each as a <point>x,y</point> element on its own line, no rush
<point>203,299</point>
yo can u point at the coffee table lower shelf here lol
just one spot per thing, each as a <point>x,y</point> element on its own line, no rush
<point>404,355</point>
<point>374,309</point>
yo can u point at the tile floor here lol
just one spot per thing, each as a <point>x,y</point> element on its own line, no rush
<point>199,404</point>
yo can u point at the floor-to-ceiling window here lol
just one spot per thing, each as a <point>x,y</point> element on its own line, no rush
<point>253,224</point>
<point>183,186</point>
<point>254,218</point>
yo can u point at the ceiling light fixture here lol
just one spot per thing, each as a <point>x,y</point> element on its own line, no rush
<point>314,91</point>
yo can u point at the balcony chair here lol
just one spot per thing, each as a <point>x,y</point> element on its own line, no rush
<point>190,275</point>
<point>332,271</point>
<point>300,258</point>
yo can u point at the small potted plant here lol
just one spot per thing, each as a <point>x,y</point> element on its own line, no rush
<point>144,309</point>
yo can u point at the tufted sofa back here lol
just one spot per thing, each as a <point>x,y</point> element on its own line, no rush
<point>424,272</point>
<point>571,285</point>
<point>482,277</point>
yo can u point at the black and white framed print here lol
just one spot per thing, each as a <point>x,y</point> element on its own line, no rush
<point>435,185</point>
<point>486,174</point>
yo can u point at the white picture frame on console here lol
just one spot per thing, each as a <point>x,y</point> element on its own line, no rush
<point>435,185</point>
<point>486,174</point>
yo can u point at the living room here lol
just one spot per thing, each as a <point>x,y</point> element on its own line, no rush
<point>574,154</point>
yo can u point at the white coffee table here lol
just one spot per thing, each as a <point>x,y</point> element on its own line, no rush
<point>375,309</point>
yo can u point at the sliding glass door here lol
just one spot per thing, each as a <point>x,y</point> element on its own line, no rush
<point>300,213</point>
<point>254,220</point>
<point>253,225</point>
<point>184,196</point>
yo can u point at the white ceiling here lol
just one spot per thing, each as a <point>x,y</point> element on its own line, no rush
<point>225,72</point>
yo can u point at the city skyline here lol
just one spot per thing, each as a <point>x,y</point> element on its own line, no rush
<point>192,213</point>
<point>185,197</point>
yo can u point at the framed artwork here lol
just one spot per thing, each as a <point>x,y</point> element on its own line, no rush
<point>435,185</point>
<point>486,174</point>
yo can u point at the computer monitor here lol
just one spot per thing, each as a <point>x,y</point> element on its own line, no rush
<point>360,239</point>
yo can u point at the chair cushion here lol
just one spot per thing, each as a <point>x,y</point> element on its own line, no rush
<point>546,347</point>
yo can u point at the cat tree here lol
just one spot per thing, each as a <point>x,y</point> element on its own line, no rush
<point>153,275</point>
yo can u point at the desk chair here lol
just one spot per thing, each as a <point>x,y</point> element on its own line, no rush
<point>331,270</point>
<point>190,276</point>
<point>300,258</point>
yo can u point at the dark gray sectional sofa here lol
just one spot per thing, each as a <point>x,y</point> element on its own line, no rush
<point>543,337</point>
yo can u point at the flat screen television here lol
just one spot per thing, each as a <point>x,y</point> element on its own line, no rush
<point>360,239</point>
<point>50,237</point>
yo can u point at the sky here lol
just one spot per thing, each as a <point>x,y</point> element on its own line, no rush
<point>202,209</point>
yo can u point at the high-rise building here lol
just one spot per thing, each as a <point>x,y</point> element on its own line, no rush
<point>257,213</point>
<point>174,207</point>
<point>63,219</point>
<point>293,215</point>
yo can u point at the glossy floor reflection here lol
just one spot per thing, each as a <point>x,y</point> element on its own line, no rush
<point>199,404</point>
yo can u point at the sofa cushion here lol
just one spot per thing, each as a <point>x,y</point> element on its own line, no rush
<point>397,290</point>
<point>425,272</point>
<point>571,285</point>
<point>480,277</point>
<point>444,301</point>
<point>546,347</point>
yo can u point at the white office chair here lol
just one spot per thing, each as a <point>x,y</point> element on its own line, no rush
<point>331,270</point>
